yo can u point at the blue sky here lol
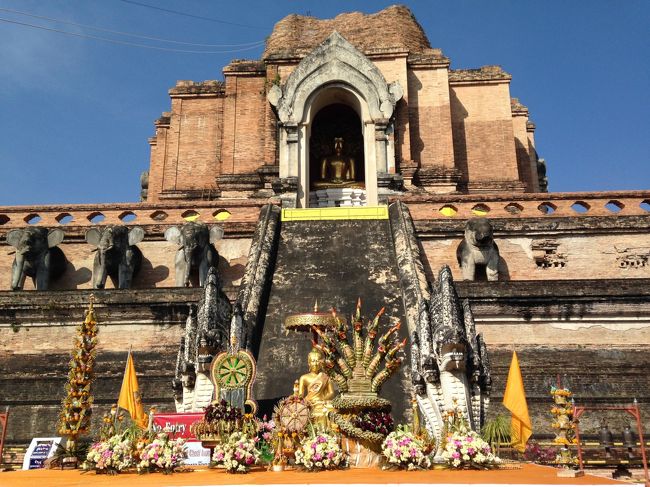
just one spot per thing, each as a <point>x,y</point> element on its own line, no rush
<point>76,112</point>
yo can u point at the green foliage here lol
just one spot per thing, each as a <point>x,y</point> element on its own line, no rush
<point>497,431</point>
<point>266,452</point>
<point>79,450</point>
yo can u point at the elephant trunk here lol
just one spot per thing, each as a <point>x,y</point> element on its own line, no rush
<point>18,268</point>
<point>100,271</point>
<point>188,250</point>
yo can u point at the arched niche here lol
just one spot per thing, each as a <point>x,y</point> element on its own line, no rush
<point>334,73</point>
<point>335,121</point>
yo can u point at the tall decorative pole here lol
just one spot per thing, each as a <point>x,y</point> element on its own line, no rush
<point>74,418</point>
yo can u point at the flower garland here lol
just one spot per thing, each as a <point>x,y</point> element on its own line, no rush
<point>321,452</point>
<point>237,455</point>
<point>162,454</point>
<point>466,449</point>
<point>402,449</point>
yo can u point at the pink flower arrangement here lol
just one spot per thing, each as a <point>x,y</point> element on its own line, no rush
<point>321,452</point>
<point>466,449</point>
<point>162,454</point>
<point>237,455</point>
<point>402,449</point>
<point>111,456</point>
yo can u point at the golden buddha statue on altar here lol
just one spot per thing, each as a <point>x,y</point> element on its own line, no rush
<point>317,389</point>
<point>338,170</point>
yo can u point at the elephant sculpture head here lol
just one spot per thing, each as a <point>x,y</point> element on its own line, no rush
<point>117,256</point>
<point>196,250</point>
<point>37,256</point>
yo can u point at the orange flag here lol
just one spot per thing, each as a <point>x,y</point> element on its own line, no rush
<point>514,399</point>
<point>130,398</point>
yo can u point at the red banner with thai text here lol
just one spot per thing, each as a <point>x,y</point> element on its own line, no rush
<point>176,424</point>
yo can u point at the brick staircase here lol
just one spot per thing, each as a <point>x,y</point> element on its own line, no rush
<point>12,457</point>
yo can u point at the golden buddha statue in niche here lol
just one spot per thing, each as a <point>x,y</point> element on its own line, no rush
<point>316,388</point>
<point>337,170</point>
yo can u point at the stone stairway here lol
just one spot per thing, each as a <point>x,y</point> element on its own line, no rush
<point>12,457</point>
<point>334,263</point>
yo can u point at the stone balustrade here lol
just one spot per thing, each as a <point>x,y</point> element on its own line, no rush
<point>422,207</point>
<point>142,214</point>
<point>529,205</point>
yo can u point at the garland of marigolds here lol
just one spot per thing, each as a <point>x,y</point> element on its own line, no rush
<point>74,418</point>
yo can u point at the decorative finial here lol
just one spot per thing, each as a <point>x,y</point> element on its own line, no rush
<point>90,312</point>
<point>316,306</point>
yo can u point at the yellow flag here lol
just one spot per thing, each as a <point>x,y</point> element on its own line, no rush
<point>514,399</point>
<point>130,398</point>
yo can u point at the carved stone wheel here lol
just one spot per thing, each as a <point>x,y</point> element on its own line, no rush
<point>233,371</point>
<point>292,415</point>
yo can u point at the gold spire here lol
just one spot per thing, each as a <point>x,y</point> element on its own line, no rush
<point>90,312</point>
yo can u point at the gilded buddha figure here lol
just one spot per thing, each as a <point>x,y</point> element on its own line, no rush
<point>337,170</point>
<point>316,388</point>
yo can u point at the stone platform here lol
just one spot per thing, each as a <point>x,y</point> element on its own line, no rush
<point>528,475</point>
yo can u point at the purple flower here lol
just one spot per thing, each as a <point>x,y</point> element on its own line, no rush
<point>455,455</point>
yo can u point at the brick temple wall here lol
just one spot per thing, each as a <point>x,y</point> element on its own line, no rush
<point>593,334</point>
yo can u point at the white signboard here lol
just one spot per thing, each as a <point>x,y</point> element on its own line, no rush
<point>196,454</point>
<point>40,449</point>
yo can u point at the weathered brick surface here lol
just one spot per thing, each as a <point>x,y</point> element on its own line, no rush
<point>393,27</point>
<point>244,127</point>
<point>430,114</point>
<point>484,146</point>
<point>588,251</point>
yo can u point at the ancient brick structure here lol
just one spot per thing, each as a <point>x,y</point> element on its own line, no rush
<point>451,144</point>
<point>221,139</point>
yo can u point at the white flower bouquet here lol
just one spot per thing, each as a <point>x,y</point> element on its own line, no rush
<point>404,450</point>
<point>321,452</point>
<point>237,455</point>
<point>162,454</point>
<point>466,449</point>
<point>111,456</point>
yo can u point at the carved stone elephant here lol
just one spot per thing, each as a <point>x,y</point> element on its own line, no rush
<point>478,247</point>
<point>37,256</point>
<point>117,256</point>
<point>196,250</point>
